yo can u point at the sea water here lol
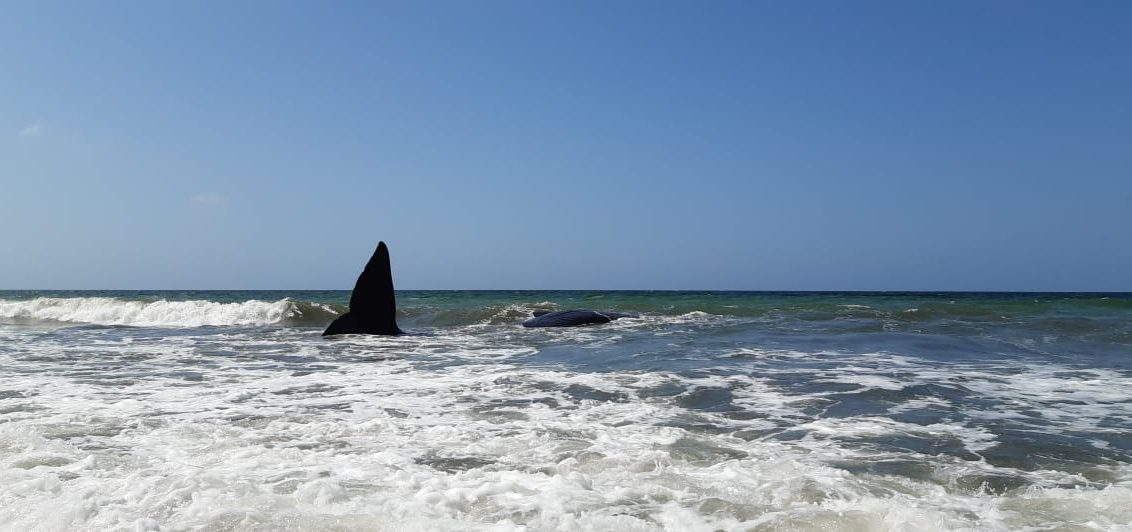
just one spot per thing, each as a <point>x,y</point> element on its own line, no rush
<point>712,411</point>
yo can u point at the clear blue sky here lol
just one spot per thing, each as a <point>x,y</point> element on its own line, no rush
<point>810,145</point>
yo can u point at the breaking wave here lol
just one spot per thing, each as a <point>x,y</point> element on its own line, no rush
<point>164,313</point>
<point>285,312</point>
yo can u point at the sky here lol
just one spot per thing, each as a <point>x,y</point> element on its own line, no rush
<point>726,145</point>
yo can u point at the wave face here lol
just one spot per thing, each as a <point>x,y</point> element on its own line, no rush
<point>1013,318</point>
<point>164,313</point>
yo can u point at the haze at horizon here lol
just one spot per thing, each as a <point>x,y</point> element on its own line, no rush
<point>504,145</point>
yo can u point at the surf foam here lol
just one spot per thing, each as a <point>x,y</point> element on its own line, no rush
<point>162,313</point>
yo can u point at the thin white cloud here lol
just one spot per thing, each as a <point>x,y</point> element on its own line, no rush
<point>32,130</point>
<point>210,200</point>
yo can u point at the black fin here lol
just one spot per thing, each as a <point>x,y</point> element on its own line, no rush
<point>373,309</point>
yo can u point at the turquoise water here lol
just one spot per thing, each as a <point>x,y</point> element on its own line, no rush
<point>713,410</point>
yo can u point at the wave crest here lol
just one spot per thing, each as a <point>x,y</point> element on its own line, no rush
<point>499,314</point>
<point>164,313</point>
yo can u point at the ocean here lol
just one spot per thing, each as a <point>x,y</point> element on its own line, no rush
<point>227,410</point>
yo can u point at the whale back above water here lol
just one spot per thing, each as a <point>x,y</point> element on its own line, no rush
<point>573,318</point>
<point>373,309</point>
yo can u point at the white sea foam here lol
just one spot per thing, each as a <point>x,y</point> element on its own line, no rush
<point>114,311</point>
<point>377,434</point>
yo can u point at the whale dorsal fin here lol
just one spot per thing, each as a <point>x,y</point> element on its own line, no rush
<point>373,293</point>
<point>373,310</point>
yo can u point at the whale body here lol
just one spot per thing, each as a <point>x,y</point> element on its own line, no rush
<point>372,307</point>
<point>373,310</point>
<point>573,318</point>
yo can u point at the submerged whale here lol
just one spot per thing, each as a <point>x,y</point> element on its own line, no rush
<point>372,307</point>
<point>573,318</point>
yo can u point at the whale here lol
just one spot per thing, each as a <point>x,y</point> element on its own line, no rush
<point>373,310</point>
<point>574,317</point>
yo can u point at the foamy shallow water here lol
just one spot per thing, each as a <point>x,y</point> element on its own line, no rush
<point>494,427</point>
